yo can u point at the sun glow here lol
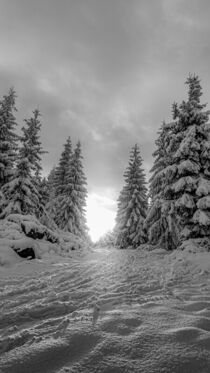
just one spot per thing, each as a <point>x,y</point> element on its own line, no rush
<point>100,215</point>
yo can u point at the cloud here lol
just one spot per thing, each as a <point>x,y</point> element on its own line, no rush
<point>104,71</point>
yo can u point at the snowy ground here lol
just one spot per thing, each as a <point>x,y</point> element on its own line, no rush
<point>106,311</point>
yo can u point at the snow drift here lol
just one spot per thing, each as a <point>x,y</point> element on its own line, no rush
<point>26,236</point>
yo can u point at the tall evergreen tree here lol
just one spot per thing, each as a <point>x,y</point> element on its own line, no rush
<point>72,202</point>
<point>52,205</point>
<point>57,180</point>
<point>63,168</point>
<point>31,140</point>
<point>31,136</point>
<point>189,179</point>
<point>20,193</point>
<point>132,204</point>
<point>8,137</point>
<point>48,208</point>
<point>161,223</point>
<point>44,191</point>
<point>51,183</point>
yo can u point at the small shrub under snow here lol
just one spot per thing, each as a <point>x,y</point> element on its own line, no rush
<point>25,235</point>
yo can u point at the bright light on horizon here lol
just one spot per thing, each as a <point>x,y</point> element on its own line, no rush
<point>100,215</point>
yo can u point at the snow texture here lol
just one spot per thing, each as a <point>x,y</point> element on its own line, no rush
<point>107,311</point>
<point>203,187</point>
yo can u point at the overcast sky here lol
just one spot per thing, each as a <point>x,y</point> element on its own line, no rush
<point>104,71</point>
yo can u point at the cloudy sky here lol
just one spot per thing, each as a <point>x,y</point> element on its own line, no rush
<point>104,71</point>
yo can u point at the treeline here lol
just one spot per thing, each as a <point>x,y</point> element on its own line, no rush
<point>177,205</point>
<point>58,200</point>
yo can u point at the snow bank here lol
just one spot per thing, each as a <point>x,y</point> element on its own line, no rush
<point>196,245</point>
<point>25,235</point>
<point>7,255</point>
<point>33,228</point>
<point>187,264</point>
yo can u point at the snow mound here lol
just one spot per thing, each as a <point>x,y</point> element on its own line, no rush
<point>196,245</point>
<point>71,242</point>
<point>24,235</point>
<point>8,256</point>
<point>33,228</point>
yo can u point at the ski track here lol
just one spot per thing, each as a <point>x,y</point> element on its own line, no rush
<point>107,312</point>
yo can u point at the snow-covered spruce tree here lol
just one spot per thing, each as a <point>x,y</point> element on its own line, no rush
<point>57,180</point>
<point>44,191</point>
<point>132,204</point>
<point>189,184</point>
<point>8,137</point>
<point>52,205</point>
<point>46,198</point>
<point>59,177</point>
<point>49,186</point>
<point>156,222</point>
<point>21,195</point>
<point>161,222</point>
<point>72,202</point>
<point>31,136</point>
<point>31,139</point>
<point>156,181</point>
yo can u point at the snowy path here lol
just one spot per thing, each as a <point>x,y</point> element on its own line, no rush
<point>106,312</point>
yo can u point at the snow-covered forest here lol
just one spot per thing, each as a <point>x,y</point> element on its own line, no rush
<point>138,299</point>
<point>59,199</point>
<point>179,187</point>
<point>173,210</point>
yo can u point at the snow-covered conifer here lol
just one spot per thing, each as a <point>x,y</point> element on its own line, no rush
<point>57,180</point>
<point>51,183</point>
<point>31,136</point>
<point>20,193</point>
<point>132,204</point>
<point>156,221</point>
<point>189,186</point>
<point>8,138</point>
<point>44,191</point>
<point>31,140</point>
<point>59,177</point>
<point>52,201</point>
<point>72,202</point>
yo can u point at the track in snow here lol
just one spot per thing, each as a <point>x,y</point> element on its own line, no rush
<point>108,312</point>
